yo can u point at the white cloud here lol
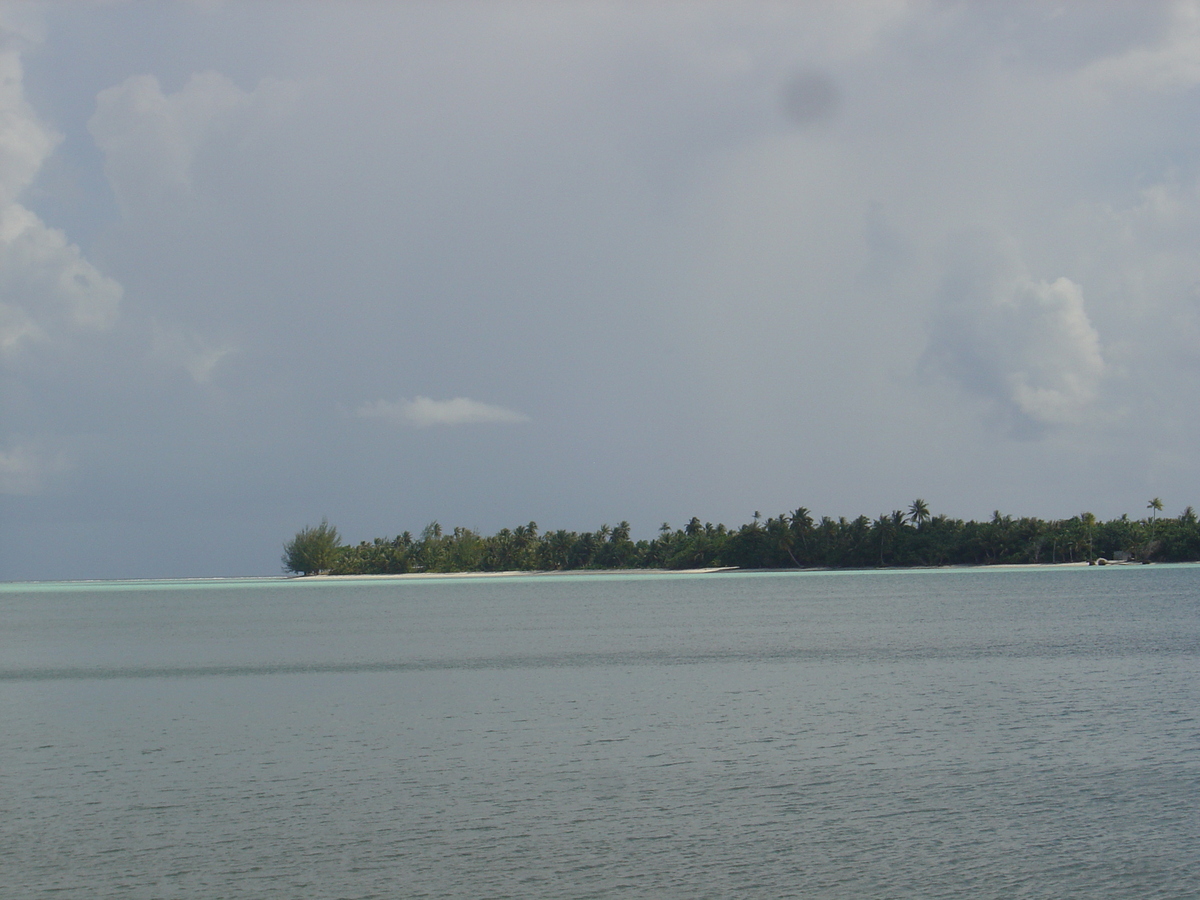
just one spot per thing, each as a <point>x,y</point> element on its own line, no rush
<point>1026,345</point>
<point>424,412</point>
<point>1055,361</point>
<point>1173,62</point>
<point>16,328</point>
<point>47,288</point>
<point>1144,277</point>
<point>152,141</point>
<point>24,470</point>
<point>49,293</point>
<point>25,142</point>
<point>188,351</point>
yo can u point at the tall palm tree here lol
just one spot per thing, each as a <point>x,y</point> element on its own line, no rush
<point>1088,520</point>
<point>1155,506</point>
<point>883,527</point>
<point>802,519</point>
<point>918,512</point>
<point>801,523</point>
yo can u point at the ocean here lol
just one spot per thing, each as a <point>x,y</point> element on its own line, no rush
<point>959,733</point>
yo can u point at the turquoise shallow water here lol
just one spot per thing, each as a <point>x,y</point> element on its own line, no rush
<point>951,733</point>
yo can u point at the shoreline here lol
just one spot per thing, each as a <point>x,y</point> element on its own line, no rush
<point>218,580</point>
<point>712,570</point>
<point>516,573</point>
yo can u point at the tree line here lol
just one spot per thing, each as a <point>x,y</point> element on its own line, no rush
<point>902,538</point>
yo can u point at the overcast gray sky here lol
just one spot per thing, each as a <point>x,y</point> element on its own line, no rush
<point>489,263</point>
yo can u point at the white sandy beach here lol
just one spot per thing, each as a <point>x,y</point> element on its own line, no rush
<point>704,571</point>
<point>519,572</point>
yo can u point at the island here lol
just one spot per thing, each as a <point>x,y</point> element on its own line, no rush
<point>900,539</point>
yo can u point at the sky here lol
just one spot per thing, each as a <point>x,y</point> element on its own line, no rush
<point>577,263</point>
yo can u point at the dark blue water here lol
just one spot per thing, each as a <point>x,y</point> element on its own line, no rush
<point>974,734</point>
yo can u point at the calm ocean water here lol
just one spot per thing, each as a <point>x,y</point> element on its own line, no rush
<point>926,734</point>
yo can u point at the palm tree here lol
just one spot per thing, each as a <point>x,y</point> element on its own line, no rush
<point>882,526</point>
<point>1088,521</point>
<point>801,524</point>
<point>802,518</point>
<point>918,512</point>
<point>620,546</point>
<point>1155,506</point>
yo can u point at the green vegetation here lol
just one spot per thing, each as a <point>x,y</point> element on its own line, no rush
<point>313,550</point>
<point>790,540</point>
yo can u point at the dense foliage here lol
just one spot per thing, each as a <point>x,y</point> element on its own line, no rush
<point>313,550</point>
<point>898,539</point>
